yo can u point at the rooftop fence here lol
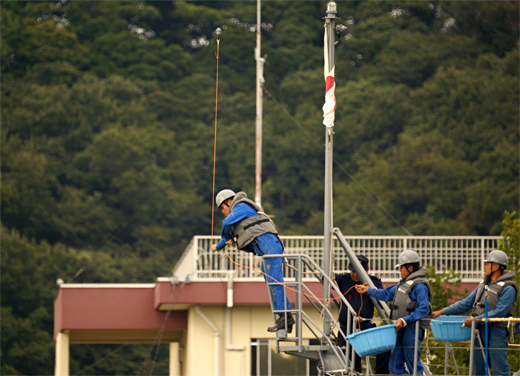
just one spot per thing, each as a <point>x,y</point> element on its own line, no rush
<point>462,254</point>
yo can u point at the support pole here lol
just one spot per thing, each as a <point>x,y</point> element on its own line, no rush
<point>330,21</point>
<point>382,307</point>
<point>259,108</point>
<point>446,357</point>
<point>175,364</point>
<point>486,326</point>
<point>416,347</point>
<point>472,348</point>
<point>61,368</point>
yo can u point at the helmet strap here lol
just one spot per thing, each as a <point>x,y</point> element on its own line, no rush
<point>224,203</point>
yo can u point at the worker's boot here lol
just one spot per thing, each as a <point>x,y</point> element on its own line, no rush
<point>280,323</point>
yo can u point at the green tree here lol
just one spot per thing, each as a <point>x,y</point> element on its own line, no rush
<point>28,186</point>
<point>370,120</point>
<point>446,290</point>
<point>108,124</point>
<point>27,318</point>
<point>494,25</point>
<point>408,183</point>
<point>511,245</point>
<point>462,104</point>
<point>30,41</point>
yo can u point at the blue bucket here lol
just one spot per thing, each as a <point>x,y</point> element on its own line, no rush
<point>448,329</point>
<point>373,341</point>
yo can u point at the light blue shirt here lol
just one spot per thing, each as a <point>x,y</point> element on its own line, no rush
<point>505,300</point>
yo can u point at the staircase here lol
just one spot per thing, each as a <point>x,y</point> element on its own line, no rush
<point>333,360</point>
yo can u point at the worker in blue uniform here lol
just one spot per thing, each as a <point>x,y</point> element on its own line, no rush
<point>501,303</point>
<point>251,230</point>
<point>517,326</point>
<point>411,302</point>
<point>364,307</point>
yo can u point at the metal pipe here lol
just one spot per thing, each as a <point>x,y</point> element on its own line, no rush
<point>259,109</point>
<point>327,225</point>
<point>258,357</point>
<point>298,303</point>
<point>446,357</point>
<point>416,347</point>
<point>230,289</point>
<point>454,362</point>
<point>217,339</point>
<point>269,358</point>
<point>381,307</point>
<point>229,346</point>
<point>471,348</point>
<point>486,328</point>
<point>350,363</point>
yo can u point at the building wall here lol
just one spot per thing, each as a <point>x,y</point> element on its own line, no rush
<point>247,322</point>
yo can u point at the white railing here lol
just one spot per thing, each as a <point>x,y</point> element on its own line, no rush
<point>463,254</point>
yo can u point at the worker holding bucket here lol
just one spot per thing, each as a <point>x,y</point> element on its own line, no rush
<point>501,303</point>
<point>411,302</point>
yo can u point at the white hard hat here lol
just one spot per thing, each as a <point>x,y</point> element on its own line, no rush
<point>223,195</point>
<point>498,257</point>
<point>407,257</point>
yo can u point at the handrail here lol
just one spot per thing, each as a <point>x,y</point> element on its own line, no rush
<point>310,296</point>
<point>381,307</point>
<point>463,254</point>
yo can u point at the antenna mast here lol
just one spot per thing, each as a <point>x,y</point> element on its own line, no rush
<point>259,85</point>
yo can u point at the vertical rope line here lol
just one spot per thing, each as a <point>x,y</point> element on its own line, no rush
<point>215,144</point>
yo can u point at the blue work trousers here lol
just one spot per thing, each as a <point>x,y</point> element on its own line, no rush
<point>403,351</point>
<point>497,339</point>
<point>273,268</point>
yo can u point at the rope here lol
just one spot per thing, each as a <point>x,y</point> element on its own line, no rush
<point>168,313</point>
<point>215,141</point>
<point>100,360</point>
<point>158,338</point>
<point>281,283</point>
<point>427,350</point>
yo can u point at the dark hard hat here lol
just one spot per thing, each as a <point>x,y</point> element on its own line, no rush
<point>362,259</point>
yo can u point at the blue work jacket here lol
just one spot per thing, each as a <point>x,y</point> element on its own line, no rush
<point>240,212</point>
<point>418,294</point>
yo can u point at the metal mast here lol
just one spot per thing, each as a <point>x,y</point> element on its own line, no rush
<point>330,21</point>
<point>259,96</point>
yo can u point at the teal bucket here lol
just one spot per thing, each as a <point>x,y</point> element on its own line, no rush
<point>373,341</point>
<point>448,329</point>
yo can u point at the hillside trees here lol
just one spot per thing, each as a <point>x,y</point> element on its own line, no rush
<point>29,274</point>
<point>108,124</point>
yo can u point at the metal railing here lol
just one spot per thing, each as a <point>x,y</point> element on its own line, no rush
<point>331,356</point>
<point>463,254</point>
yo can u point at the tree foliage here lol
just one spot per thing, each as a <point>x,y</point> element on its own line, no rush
<point>511,246</point>
<point>108,112</point>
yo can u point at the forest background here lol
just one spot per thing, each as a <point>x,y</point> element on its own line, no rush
<point>108,129</point>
